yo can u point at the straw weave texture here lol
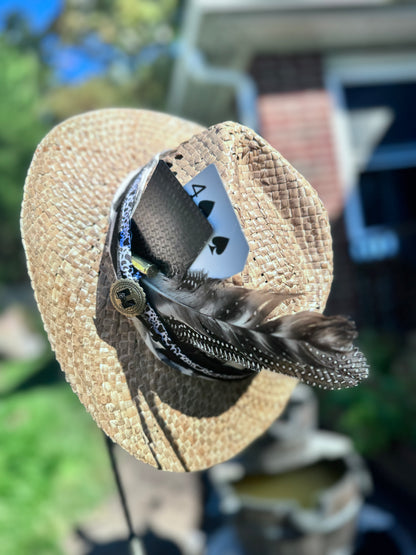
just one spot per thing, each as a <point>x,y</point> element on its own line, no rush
<point>168,420</point>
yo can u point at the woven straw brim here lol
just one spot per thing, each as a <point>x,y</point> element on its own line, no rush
<point>168,420</point>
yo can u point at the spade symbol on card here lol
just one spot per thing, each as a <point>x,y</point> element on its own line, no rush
<point>219,245</point>
<point>206,207</point>
<point>227,240</point>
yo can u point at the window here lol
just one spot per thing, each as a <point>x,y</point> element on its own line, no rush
<point>377,101</point>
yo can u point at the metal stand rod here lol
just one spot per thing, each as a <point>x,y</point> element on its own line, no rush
<point>136,546</point>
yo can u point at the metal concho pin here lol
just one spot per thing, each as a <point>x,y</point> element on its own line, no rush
<point>128,297</point>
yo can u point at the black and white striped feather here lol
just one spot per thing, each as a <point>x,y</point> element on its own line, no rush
<point>232,331</point>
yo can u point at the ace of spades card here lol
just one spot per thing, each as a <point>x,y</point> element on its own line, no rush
<point>226,252</point>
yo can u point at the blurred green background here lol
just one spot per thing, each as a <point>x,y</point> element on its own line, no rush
<point>58,59</point>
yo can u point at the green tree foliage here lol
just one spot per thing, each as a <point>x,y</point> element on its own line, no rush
<point>127,27</point>
<point>25,92</point>
<point>53,464</point>
<point>146,88</point>
<point>121,23</point>
<point>380,413</point>
<point>21,129</point>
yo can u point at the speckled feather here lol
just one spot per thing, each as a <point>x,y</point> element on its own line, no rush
<point>234,327</point>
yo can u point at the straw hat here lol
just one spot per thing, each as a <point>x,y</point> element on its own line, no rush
<point>162,417</point>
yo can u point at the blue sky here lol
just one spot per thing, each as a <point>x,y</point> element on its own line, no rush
<point>39,13</point>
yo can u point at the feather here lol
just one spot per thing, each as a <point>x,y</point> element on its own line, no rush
<point>231,329</point>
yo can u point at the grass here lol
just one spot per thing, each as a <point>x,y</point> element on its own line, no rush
<point>53,463</point>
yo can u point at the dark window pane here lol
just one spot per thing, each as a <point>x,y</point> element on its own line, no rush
<point>389,197</point>
<point>399,97</point>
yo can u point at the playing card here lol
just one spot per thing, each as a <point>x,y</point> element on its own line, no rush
<point>227,249</point>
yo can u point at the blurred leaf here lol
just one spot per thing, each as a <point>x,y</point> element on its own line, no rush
<point>53,468</point>
<point>121,23</point>
<point>92,95</point>
<point>147,89</point>
<point>381,411</point>
<point>14,372</point>
<point>21,129</point>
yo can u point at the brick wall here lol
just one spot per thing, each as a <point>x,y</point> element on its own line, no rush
<point>295,114</point>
